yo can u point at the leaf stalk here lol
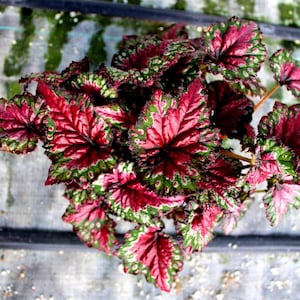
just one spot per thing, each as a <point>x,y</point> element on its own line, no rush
<point>230,154</point>
<point>266,97</point>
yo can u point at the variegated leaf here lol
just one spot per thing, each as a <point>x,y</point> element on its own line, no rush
<point>286,70</point>
<point>129,199</point>
<point>234,49</point>
<point>172,138</point>
<point>284,193</point>
<point>78,141</point>
<point>198,230</point>
<point>150,252</point>
<point>22,123</point>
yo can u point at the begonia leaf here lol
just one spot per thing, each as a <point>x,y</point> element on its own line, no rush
<point>97,87</point>
<point>78,141</point>
<point>286,70</point>
<point>56,79</point>
<point>230,218</point>
<point>21,123</point>
<point>220,183</point>
<point>266,166</point>
<point>249,87</point>
<point>92,225</point>
<point>232,111</point>
<point>283,125</point>
<point>234,49</point>
<point>148,60</point>
<point>283,193</point>
<point>150,252</point>
<point>171,139</point>
<point>198,230</point>
<point>128,198</point>
<point>78,194</point>
<point>271,158</point>
<point>114,114</point>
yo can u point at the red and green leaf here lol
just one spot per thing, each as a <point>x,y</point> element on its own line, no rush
<point>266,166</point>
<point>92,225</point>
<point>286,70</point>
<point>283,125</point>
<point>78,141</point>
<point>283,194</point>
<point>271,159</point>
<point>171,139</point>
<point>129,199</point>
<point>78,194</point>
<point>230,219</point>
<point>114,114</point>
<point>55,79</point>
<point>249,87</point>
<point>198,230</point>
<point>234,49</point>
<point>146,61</point>
<point>97,87</point>
<point>21,123</point>
<point>150,252</point>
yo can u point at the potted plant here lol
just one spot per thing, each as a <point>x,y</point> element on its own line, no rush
<point>147,140</point>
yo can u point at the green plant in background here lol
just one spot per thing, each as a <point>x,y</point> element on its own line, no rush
<point>62,24</point>
<point>247,7</point>
<point>19,51</point>
<point>213,7</point>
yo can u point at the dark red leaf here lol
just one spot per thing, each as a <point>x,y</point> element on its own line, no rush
<point>232,111</point>
<point>97,87</point>
<point>146,61</point>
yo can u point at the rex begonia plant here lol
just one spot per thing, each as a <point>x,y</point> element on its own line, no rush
<point>145,140</point>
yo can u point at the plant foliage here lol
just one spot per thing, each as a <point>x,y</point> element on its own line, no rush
<point>146,140</point>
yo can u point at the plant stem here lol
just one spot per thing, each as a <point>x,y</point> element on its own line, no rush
<point>230,154</point>
<point>259,191</point>
<point>266,96</point>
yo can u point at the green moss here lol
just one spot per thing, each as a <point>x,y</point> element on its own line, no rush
<point>19,51</point>
<point>248,7</point>
<point>287,14</point>
<point>96,52</point>
<point>180,5</point>
<point>216,7</point>
<point>58,37</point>
<point>12,88</point>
